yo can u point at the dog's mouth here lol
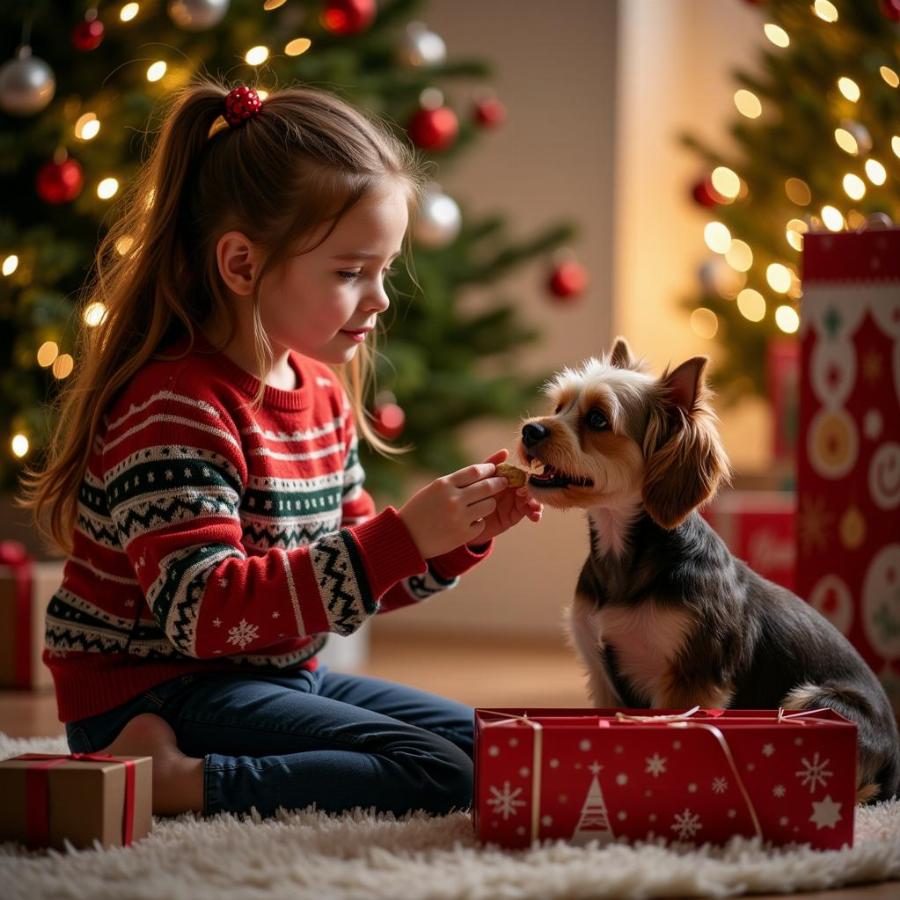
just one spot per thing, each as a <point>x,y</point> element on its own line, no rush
<point>544,475</point>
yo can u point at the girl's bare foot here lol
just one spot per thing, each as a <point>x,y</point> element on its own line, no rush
<point>177,779</point>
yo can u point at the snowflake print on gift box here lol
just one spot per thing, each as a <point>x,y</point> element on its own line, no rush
<point>720,785</point>
<point>686,824</point>
<point>814,772</point>
<point>656,765</point>
<point>505,801</point>
<point>243,633</point>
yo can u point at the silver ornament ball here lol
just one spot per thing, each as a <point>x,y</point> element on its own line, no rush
<point>27,84</point>
<point>421,47</point>
<point>439,219</point>
<point>197,15</point>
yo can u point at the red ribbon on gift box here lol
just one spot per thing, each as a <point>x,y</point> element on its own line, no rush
<point>15,556</point>
<point>37,793</point>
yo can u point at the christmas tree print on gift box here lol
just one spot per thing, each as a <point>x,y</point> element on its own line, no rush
<point>696,776</point>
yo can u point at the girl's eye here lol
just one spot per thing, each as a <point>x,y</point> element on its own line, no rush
<point>597,421</point>
<point>348,275</point>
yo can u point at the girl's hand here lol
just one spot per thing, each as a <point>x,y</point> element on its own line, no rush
<point>513,505</point>
<point>454,510</point>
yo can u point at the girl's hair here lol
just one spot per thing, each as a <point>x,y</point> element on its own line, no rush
<point>298,166</point>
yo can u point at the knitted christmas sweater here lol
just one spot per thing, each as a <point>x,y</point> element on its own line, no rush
<point>215,535</point>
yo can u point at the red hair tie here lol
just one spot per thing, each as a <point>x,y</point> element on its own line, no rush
<point>241,104</point>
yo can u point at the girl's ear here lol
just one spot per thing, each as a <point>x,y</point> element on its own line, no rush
<point>685,458</point>
<point>236,261</point>
<point>620,355</point>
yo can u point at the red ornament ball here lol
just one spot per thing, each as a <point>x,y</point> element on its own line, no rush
<point>60,182</point>
<point>389,420</point>
<point>348,16</point>
<point>490,113</point>
<point>88,35</point>
<point>568,280</point>
<point>891,9</point>
<point>433,129</point>
<point>704,194</point>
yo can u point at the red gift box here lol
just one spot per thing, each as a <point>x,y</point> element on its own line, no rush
<point>702,776</point>
<point>759,528</point>
<point>848,473</point>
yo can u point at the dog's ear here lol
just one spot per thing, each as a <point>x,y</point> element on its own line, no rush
<point>620,355</point>
<point>685,460</point>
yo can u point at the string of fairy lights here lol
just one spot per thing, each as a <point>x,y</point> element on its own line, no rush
<point>853,138</point>
<point>86,127</point>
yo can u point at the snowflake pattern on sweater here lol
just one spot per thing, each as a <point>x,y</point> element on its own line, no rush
<point>215,534</point>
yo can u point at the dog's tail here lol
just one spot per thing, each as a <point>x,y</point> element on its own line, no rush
<point>878,771</point>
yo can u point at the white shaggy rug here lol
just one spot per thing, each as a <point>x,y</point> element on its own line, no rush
<point>369,857</point>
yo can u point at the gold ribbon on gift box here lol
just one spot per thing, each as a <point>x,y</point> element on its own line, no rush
<point>674,720</point>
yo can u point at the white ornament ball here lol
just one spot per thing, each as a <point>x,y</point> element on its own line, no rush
<point>27,84</point>
<point>439,219</point>
<point>197,15</point>
<point>421,47</point>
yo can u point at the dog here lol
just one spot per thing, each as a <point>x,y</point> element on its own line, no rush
<point>664,616</point>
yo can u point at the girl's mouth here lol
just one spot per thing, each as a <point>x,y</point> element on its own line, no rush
<point>358,335</point>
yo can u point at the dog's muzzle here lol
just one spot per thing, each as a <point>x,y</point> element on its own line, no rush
<point>533,434</point>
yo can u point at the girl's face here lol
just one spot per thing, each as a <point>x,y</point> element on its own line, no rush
<point>324,303</point>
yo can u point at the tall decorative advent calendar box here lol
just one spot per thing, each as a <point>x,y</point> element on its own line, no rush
<point>848,472</point>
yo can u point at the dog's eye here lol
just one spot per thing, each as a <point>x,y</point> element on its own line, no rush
<point>597,421</point>
<point>558,410</point>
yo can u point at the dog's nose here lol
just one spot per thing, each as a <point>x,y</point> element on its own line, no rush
<point>533,434</point>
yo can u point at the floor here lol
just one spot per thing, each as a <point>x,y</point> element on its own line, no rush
<point>479,672</point>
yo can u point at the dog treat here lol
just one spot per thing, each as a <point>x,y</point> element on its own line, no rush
<point>516,476</point>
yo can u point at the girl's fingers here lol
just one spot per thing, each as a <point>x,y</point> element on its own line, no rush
<point>482,508</point>
<point>498,457</point>
<point>487,487</point>
<point>471,474</point>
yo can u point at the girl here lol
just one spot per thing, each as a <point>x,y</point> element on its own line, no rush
<point>205,482</point>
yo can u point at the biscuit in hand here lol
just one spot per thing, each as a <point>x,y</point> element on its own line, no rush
<point>513,474</point>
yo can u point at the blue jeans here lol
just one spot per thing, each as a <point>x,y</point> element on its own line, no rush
<point>292,740</point>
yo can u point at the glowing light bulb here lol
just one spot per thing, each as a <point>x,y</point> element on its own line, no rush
<point>256,56</point>
<point>825,10</point>
<point>129,11</point>
<point>747,103</point>
<point>751,305</point>
<point>854,186</point>
<point>47,353</point>
<point>876,172</point>
<point>776,34</point>
<point>269,5</point>
<point>833,218</point>
<point>297,47</point>
<point>87,127</point>
<point>107,188</point>
<point>849,88</point>
<point>19,445</point>
<point>704,322</point>
<point>726,182</point>
<point>890,76</point>
<point>717,237</point>
<point>157,70</point>
<point>779,277</point>
<point>786,319</point>
<point>10,264</point>
<point>124,244</point>
<point>63,366</point>
<point>846,141</point>
<point>895,145</point>
<point>794,231</point>
<point>798,191</point>
<point>739,256</point>
<point>94,313</point>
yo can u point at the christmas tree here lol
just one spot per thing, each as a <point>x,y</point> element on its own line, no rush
<point>78,95</point>
<point>816,145</point>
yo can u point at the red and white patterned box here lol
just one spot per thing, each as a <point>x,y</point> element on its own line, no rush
<point>848,467</point>
<point>759,528</point>
<point>698,777</point>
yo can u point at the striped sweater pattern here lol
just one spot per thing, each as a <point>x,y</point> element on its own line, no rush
<point>213,534</point>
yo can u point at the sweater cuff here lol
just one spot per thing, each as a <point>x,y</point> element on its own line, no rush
<point>459,561</point>
<point>388,550</point>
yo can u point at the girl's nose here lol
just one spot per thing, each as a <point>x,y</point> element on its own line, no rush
<point>377,300</point>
